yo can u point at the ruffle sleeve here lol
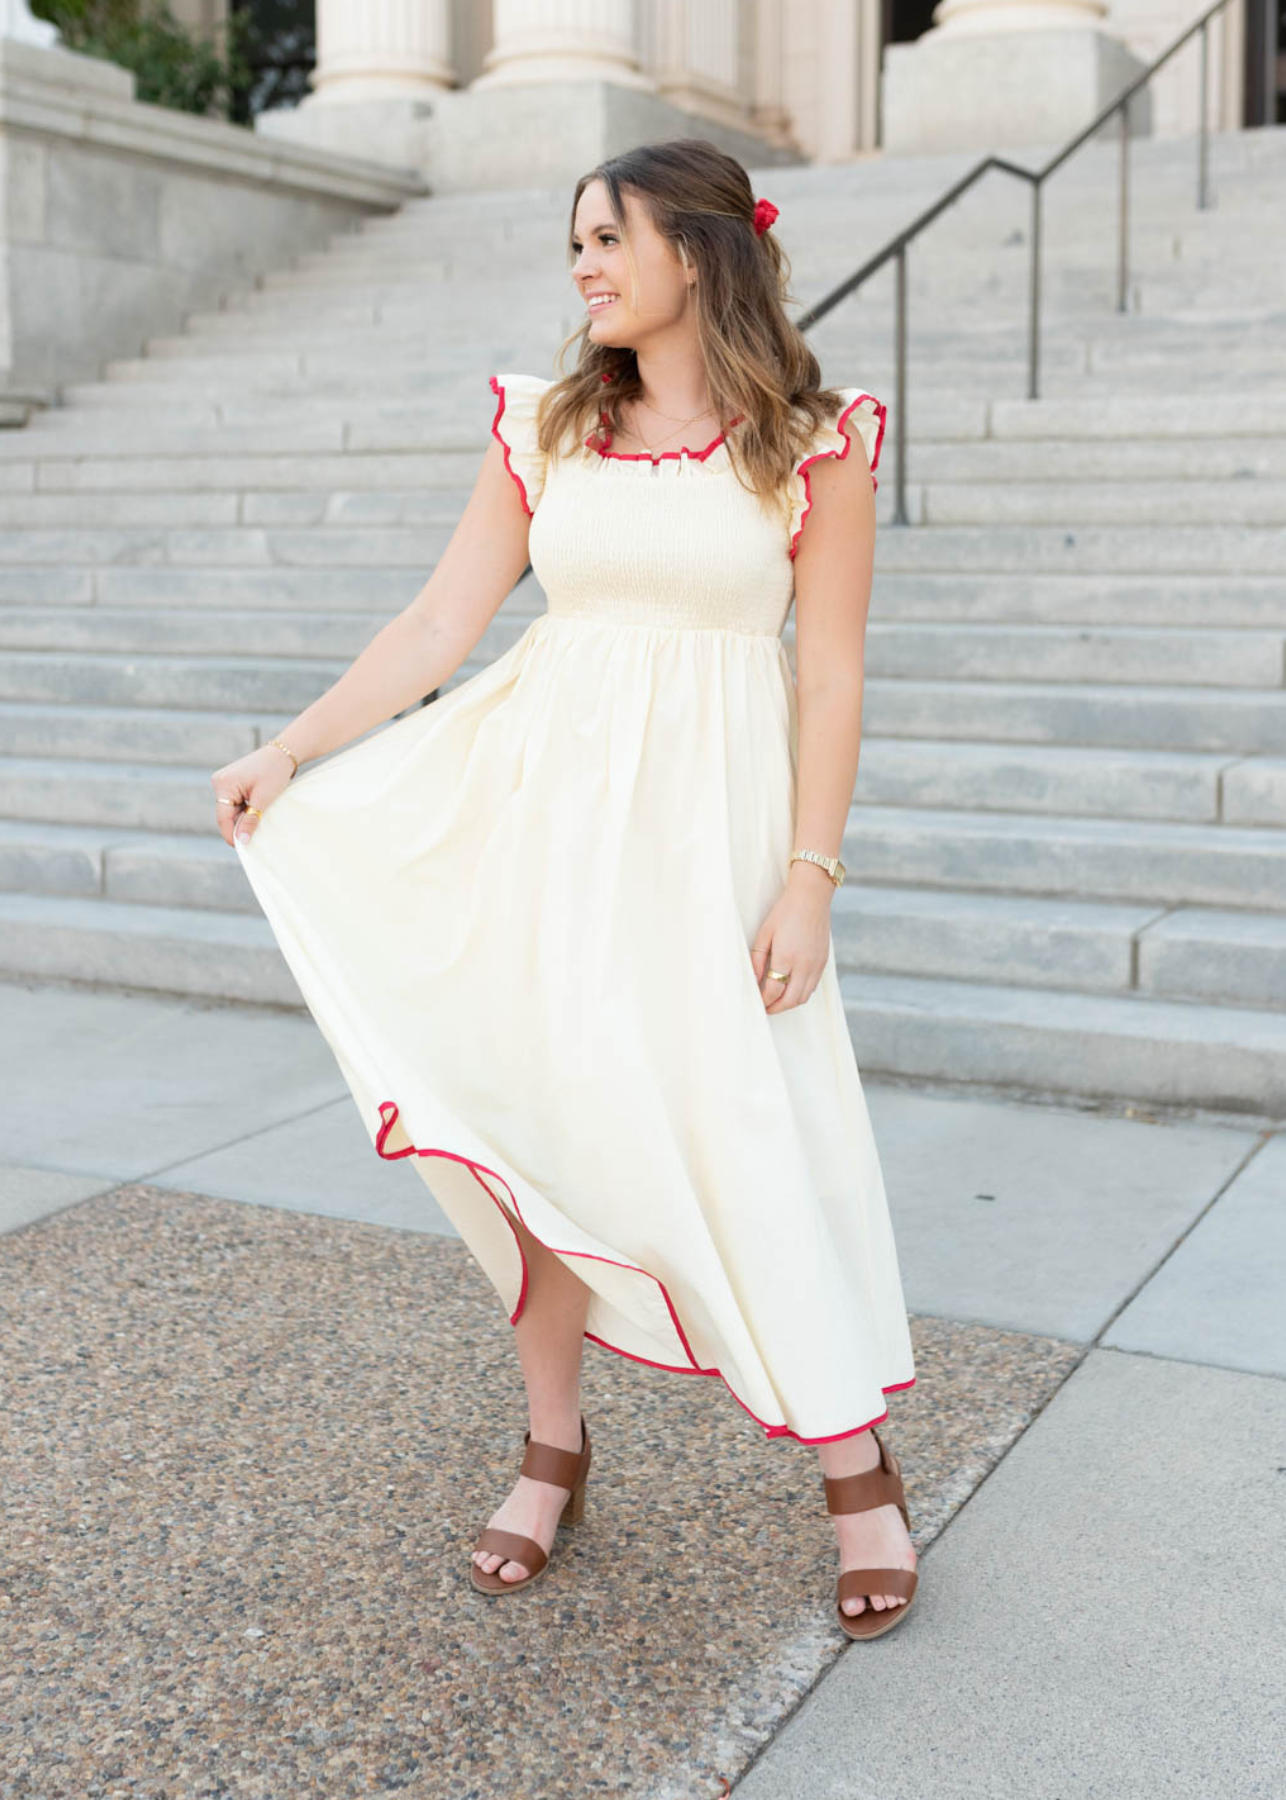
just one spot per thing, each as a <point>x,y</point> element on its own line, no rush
<point>514,425</point>
<point>863,416</point>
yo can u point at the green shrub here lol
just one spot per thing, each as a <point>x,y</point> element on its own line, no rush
<point>172,67</point>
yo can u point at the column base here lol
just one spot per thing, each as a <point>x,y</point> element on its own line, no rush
<point>547,134</point>
<point>537,134</point>
<point>999,90</point>
<point>392,131</point>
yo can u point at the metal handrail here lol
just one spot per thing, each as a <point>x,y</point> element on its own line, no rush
<point>896,246</point>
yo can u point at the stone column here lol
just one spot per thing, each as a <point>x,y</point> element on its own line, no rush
<point>381,66</point>
<point>16,22</point>
<point>696,57</point>
<point>951,16</point>
<point>562,40</point>
<point>769,114</point>
<point>381,48</point>
<point>1011,74</point>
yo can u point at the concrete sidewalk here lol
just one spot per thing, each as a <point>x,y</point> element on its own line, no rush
<point>259,1399</point>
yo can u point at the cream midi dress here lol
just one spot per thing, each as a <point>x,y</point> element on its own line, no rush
<point>521,916</point>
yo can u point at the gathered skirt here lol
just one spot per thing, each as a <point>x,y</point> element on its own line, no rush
<point>521,916</point>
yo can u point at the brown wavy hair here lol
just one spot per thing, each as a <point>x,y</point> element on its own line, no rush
<point>759,367</point>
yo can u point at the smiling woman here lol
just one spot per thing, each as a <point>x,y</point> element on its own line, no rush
<point>568,929</point>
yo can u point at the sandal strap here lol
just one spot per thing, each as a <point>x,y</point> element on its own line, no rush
<point>862,1584</point>
<point>546,1462</point>
<point>880,1486</point>
<point>859,1493</point>
<point>516,1548</point>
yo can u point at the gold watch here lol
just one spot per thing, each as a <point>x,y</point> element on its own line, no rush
<point>832,864</point>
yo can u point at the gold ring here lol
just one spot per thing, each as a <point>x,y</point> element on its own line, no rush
<point>773,975</point>
<point>255,811</point>
<point>223,800</point>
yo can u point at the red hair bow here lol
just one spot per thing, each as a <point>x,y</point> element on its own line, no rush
<point>765,213</point>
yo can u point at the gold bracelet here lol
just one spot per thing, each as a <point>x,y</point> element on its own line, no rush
<point>289,752</point>
<point>832,864</point>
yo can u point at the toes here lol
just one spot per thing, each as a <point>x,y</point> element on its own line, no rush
<point>513,1571</point>
<point>853,1606</point>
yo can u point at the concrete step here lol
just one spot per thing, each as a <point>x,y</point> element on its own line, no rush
<point>183,509</point>
<point>1109,549</point>
<point>895,648</point>
<point>134,850</point>
<point>186,631</point>
<point>325,471</point>
<point>1133,655</point>
<point>1106,598</point>
<point>1108,1046</point>
<point>1101,1046</point>
<point>1156,717</point>
<point>1150,861</point>
<point>41,858</point>
<point>145,771</point>
<point>165,735</point>
<point>25,485</point>
<point>1069,834</point>
<point>1033,549</point>
<point>1193,788</point>
<point>1230,956</point>
<point>161,949</point>
<point>1153,718</point>
<point>416,549</point>
<point>200,683</point>
<point>1196,501</point>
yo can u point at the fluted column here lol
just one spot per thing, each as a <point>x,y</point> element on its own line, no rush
<point>769,113</point>
<point>696,57</point>
<point>374,49</point>
<point>562,40</point>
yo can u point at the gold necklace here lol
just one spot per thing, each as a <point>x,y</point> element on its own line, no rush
<point>683,425</point>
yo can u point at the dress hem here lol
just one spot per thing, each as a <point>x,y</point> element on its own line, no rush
<point>391,1108</point>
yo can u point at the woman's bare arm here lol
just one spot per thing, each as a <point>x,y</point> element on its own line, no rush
<point>424,645</point>
<point>833,574</point>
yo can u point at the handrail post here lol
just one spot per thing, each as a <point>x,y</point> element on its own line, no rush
<point>900,516</point>
<point>1033,321</point>
<point>1201,134</point>
<point>1122,280</point>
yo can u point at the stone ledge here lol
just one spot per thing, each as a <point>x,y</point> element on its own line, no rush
<point>92,100</point>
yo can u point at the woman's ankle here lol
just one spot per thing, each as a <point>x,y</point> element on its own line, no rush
<point>557,1427</point>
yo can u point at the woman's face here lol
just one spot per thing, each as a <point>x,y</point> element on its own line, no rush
<point>601,267</point>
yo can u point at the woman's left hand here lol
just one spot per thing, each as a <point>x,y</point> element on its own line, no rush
<point>794,937</point>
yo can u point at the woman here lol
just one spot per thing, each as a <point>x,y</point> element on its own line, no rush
<point>567,929</point>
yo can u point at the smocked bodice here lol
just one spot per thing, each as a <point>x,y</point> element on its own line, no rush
<point>674,541</point>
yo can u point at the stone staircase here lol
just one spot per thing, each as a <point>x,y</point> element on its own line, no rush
<point>1067,848</point>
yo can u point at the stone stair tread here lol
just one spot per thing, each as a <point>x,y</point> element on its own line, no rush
<point>1068,1014</point>
<point>1024,827</point>
<point>250,465</point>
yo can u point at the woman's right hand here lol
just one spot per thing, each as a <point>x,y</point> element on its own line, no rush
<point>252,780</point>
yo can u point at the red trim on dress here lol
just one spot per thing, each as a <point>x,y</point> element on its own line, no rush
<point>693,1368</point>
<point>802,468</point>
<point>495,432</point>
<point>593,443</point>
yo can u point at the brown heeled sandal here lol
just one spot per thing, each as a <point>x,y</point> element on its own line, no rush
<point>541,1462</point>
<point>880,1486</point>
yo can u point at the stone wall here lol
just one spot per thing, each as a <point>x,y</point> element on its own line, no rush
<point>117,217</point>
